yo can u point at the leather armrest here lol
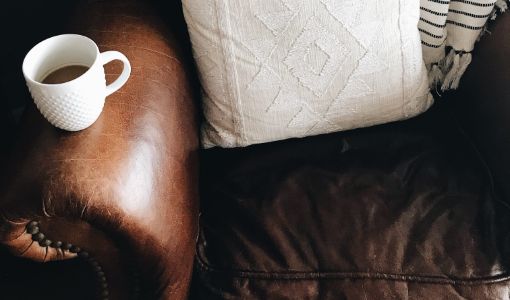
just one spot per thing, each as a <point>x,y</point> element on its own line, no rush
<point>482,102</point>
<point>123,191</point>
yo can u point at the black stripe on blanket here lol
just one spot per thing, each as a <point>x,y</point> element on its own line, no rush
<point>475,3</point>
<point>431,34</point>
<point>464,25</point>
<point>440,1</point>
<point>431,45</point>
<point>433,12</point>
<point>432,23</point>
<point>469,14</point>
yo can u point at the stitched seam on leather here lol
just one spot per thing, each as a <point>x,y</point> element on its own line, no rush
<point>318,275</point>
<point>433,279</point>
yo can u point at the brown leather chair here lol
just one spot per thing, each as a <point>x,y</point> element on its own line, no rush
<point>409,210</point>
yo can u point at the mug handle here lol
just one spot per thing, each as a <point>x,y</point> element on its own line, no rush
<point>109,56</point>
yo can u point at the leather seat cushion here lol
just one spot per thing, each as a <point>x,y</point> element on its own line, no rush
<point>403,210</point>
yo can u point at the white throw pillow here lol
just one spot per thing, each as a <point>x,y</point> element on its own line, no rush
<point>276,69</point>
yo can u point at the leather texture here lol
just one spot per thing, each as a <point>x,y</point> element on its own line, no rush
<point>399,211</point>
<point>125,189</point>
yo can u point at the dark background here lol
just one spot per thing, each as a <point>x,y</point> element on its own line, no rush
<point>23,23</point>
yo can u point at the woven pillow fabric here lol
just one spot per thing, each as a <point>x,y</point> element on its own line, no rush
<point>277,69</point>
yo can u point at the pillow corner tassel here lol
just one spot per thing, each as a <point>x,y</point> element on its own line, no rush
<point>436,75</point>
<point>465,61</point>
<point>455,65</point>
<point>502,5</point>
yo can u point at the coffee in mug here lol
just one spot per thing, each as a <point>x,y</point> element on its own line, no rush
<point>65,76</point>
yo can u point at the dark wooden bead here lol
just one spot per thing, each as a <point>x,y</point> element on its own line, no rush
<point>56,244</point>
<point>75,249</point>
<point>83,254</point>
<point>94,262</point>
<point>67,246</point>
<point>33,230</point>
<point>45,243</point>
<point>38,237</point>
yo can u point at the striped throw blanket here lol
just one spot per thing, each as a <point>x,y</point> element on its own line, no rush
<point>453,27</point>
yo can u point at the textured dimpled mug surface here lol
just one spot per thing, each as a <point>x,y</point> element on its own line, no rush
<point>76,104</point>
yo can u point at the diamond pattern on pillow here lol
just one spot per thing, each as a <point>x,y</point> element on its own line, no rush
<point>277,69</point>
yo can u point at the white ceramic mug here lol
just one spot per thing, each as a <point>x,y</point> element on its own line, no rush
<point>76,104</point>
